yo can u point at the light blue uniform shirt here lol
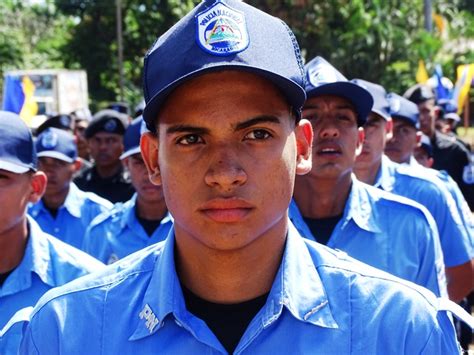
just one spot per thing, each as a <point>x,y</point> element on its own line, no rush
<point>321,302</point>
<point>118,233</point>
<point>74,216</point>
<point>405,181</point>
<point>457,195</point>
<point>47,263</point>
<point>388,232</point>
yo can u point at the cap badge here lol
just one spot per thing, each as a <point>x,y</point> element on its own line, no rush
<point>65,121</point>
<point>321,74</point>
<point>222,30</point>
<point>49,140</point>
<point>110,125</point>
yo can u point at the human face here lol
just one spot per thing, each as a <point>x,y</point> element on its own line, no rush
<point>226,156</point>
<point>404,140</point>
<point>59,175</point>
<point>336,136</point>
<point>377,131</point>
<point>16,191</point>
<point>427,117</point>
<point>106,148</point>
<point>140,180</point>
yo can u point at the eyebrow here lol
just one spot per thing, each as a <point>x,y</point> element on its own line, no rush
<point>239,126</point>
<point>338,107</point>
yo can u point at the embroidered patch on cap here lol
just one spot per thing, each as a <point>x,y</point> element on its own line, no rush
<point>49,140</point>
<point>65,121</point>
<point>221,30</point>
<point>110,126</point>
<point>320,74</point>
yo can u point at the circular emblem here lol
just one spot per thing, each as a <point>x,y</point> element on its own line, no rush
<point>321,74</point>
<point>222,30</point>
<point>110,125</point>
<point>49,140</point>
<point>65,121</point>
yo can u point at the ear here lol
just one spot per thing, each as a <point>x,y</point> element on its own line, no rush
<point>389,129</point>
<point>418,138</point>
<point>77,164</point>
<point>38,184</point>
<point>360,140</point>
<point>430,162</point>
<point>304,143</point>
<point>149,148</point>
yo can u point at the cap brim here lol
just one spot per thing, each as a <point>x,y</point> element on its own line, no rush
<point>356,95</point>
<point>452,116</point>
<point>14,168</point>
<point>55,155</point>
<point>293,92</point>
<point>130,152</point>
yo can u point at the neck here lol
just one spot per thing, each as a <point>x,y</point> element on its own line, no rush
<point>321,198</point>
<point>152,211</point>
<point>106,171</point>
<point>230,276</point>
<point>12,246</point>
<point>368,174</point>
<point>56,200</point>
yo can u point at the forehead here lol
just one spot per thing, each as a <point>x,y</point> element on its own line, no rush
<point>227,94</point>
<point>374,117</point>
<point>428,104</point>
<point>328,101</point>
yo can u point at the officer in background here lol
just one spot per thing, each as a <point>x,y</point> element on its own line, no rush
<point>64,211</point>
<point>375,168</point>
<point>31,261</point>
<point>61,121</point>
<point>332,207</point>
<point>224,92</point>
<point>137,223</point>
<point>82,119</point>
<point>448,154</point>
<point>107,177</point>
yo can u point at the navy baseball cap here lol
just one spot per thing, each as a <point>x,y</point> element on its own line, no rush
<point>17,150</point>
<point>378,93</point>
<point>109,121</point>
<point>324,79</point>
<point>56,143</point>
<point>404,109</point>
<point>223,35</point>
<point>131,139</point>
<point>419,93</point>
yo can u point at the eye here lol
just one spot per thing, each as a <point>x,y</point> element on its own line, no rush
<point>258,134</point>
<point>190,139</point>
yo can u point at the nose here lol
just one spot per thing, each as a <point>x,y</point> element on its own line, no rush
<point>328,130</point>
<point>225,170</point>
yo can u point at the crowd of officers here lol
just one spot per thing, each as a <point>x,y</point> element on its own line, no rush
<point>401,199</point>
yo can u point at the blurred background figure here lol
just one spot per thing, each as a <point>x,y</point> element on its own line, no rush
<point>107,177</point>
<point>82,119</point>
<point>64,211</point>
<point>137,223</point>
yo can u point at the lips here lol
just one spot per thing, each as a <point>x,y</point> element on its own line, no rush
<point>226,210</point>
<point>328,149</point>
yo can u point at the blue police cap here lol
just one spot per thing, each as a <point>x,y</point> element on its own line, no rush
<point>109,121</point>
<point>17,151</point>
<point>404,109</point>
<point>378,93</point>
<point>131,139</point>
<point>56,143</point>
<point>223,35</point>
<point>324,79</point>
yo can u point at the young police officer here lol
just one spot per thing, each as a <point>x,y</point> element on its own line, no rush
<point>137,223</point>
<point>223,90</point>
<point>64,211</point>
<point>334,208</point>
<point>31,261</point>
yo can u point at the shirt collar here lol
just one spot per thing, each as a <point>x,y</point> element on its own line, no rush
<point>72,203</point>
<point>297,287</point>
<point>35,260</point>
<point>359,209</point>
<point>385,177</point>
